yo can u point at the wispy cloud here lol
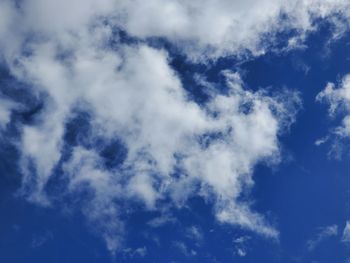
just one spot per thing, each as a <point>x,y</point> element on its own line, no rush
<point>38,240</point>
<point>194,233</point>
<point>338,99</point>
<point>323,234</point>
<point>241,245</point>
<point>138,252</point>
<point>162,220</point>
<point>346,233</point>
<point>184,249</point>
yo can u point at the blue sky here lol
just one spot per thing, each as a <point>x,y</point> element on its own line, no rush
<point>170,131</point>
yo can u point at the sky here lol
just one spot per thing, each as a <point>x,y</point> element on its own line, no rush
<point>175,131</point>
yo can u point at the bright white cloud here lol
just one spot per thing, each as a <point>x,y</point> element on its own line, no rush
<point>61,49</point>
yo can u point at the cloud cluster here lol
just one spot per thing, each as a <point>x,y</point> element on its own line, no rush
<point>71,54</point>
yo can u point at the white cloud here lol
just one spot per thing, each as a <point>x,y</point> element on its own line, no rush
<point>162,220</point>
<point>241,246</point>
<point>61,49</point>
<point>195,233</point>
<point>6,107</point>
<point>100,208</point>
<point>201,29</point>
<point>138,252</point>
<point>338,100</point>
<point>321,141</point>
<point>213,28</point>
<point>323,234</point>
<point>346,233</point>
<point>241,252</point>
<point>41,147</point>
<point>184,249</point>
<point>147,108</point>
<point>39,240</point>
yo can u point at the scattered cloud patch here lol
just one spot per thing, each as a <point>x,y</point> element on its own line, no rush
<point>162,220</point>
<point>323,234</point>
<point>6,107</point>
<point>184,249</point>
<point>321,141</point>
<point>338,99</point>
<point>241,246</point>
<point>138,252</point>
<point>194,233</point>
<point>346,233</point>
<point>39,240</point>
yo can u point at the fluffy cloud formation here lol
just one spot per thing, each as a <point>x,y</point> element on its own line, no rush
<point>71,54</point>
